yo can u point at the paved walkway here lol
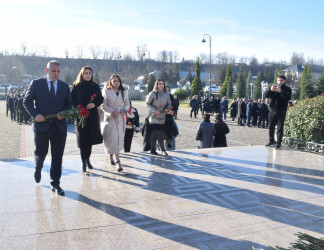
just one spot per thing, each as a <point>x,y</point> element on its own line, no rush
<point>240,197</point>
<point>225,198</point>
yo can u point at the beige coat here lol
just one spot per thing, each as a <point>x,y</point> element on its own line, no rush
<point>113,130</point>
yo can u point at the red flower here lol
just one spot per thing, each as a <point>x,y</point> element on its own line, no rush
<point>79,106</point>
<point>93,97</point>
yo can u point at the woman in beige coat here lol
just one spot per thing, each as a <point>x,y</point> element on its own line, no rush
<point>115,106</point>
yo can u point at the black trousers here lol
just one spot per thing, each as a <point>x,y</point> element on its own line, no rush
<point>85,151</point>
<point>12,114</point>
<point>261,121</point>
<point>254,120</point>
<point>158,136</point>
<point>276,118</point>
<point>195,113</point>
<point>57,139</point>
<point>128,139</point>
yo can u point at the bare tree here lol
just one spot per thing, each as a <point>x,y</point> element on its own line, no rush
<point>12,68</point>
<point>79,51</point>
<point>23,48</point>
<point>95,51</point>
<point>66,51</point>
<point>297,58</point>
<point>162,56</point>
<point>140,51</point>
<point>45,51</point>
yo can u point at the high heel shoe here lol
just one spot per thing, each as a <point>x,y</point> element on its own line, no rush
<point>119,166</point>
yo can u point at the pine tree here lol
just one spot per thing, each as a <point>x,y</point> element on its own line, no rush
<point>305,86</point>
<point>320,85</point>
<point>196,85</point>
<point>247,84</point>
<point>228,78</point>
<point>240,85</point>
<point>275,76</point>
<point>257,88</point>
<point>189,77</point>
<point>229,92</point>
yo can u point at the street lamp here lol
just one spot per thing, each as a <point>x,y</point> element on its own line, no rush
<point>118,58</point>
<point>264,86</point>
<point>13,79</point>
<point>203,41</point>
<point>251,83</point>
<point>148,62</point>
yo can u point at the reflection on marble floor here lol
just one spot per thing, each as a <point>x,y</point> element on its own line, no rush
<point>232,198</point>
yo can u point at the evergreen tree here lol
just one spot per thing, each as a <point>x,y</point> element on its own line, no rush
<point>189,77</point>
<point>305,86</point>
<point>257,88</point>
<point>275,76</point>
<point>240,85</point>
<point>196,85</point>
<point>228,78</point>
<point>150,83</point>
<point>247,84</point>
<point>320,85</point>
<point>221,75</point>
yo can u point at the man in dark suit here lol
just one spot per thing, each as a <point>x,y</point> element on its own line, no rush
<point>47,96</point>
<point>280,94</point>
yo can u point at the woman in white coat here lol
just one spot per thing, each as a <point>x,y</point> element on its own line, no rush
<point>115,106</point>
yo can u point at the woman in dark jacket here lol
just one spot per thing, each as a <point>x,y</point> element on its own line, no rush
<point>87,93</point>
<point>132,125</point>
<point>221,131</point>
<point>233,109</point>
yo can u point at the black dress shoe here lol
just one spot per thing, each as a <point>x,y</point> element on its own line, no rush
<point>112,163</point>
<point>278,146</point>
<point>153,152</point>
<point>58,190</point>
<point>119,166</point>
<point>164,153</point>
<point>38,175</point>
<point>269,144</point>
<point>89,164</point>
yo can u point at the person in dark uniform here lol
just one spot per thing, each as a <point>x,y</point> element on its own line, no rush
<point>255,112</point>
<point>48,96</point>
<point>132,125</point>
<point>87,93</point>
<point>234,108</point>
<point>279,94</point>
<point>263,112</point>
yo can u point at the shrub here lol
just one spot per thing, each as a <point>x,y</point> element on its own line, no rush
<point>305,121</point>
<point>181,93</point>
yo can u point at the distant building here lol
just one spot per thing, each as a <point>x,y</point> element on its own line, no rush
<point>297,71</point>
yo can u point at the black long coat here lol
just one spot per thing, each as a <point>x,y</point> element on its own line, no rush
<point>90,134</point>
<point>220,137</point>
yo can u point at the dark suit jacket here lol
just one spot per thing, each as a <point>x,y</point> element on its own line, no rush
<point>38,101</point>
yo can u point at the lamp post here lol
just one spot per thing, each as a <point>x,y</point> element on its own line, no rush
<point>264,86</point>
<point>148,63</point>
<point>118,58</point>
<point>251,84</point>
<point>203,41</point>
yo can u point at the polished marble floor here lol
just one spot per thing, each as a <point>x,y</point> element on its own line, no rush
<point>230,198</point>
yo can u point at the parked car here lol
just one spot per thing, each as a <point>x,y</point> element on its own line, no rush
<point>214,89</point>
<point>140,88</point>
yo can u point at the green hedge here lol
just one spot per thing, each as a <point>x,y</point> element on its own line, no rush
<point>305,120</point>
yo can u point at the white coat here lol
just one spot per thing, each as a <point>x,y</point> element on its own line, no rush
<point>113,130</point>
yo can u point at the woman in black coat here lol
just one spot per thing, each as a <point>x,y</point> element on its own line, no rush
<point>87,93</point>
<point>221,131</point>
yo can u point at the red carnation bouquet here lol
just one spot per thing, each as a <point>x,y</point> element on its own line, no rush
<point>76,112</point>
<point>93,97</point>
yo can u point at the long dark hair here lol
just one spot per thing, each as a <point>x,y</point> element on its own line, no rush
<point>155,88</point>
<point>80,76</point>
<point>109,84</point>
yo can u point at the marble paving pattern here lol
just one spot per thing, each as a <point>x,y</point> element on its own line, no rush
<point>230,198</point>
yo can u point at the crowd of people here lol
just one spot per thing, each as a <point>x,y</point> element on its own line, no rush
<point>112,120</point>
<point>15,108</point>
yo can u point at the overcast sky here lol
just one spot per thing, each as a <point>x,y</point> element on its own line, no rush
<point>270,30</point>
